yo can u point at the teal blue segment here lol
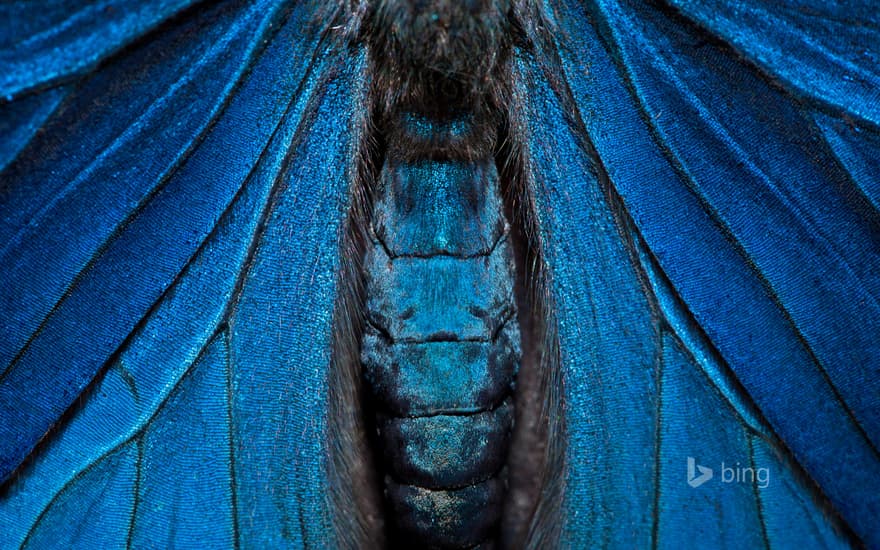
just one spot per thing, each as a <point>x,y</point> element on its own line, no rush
<point>470,514</point>
<point>439,452</point>
<point>436,130</point>
<point>441,298</point>
<point>439,207</point>
<point>425,378</point>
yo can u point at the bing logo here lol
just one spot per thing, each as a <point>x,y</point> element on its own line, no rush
<point>695,480</point>
<point>698,475</point>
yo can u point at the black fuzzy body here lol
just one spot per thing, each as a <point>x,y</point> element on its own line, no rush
<point>449,345</point>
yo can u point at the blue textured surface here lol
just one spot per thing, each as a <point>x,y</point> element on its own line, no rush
<point>45,42</point>
<point>172,191</point>
<point>769,243</point>
<point>219,152</point>
<point>606,335</point>
<point>20,120</point>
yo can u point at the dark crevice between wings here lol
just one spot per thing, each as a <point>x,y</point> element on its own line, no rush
<point>537,460</point>
<point>355,488</point>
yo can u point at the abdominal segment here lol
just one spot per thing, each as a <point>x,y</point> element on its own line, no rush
<point>440,349</point>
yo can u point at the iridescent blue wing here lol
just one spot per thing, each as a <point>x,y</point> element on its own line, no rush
<point>706,183</point>
<point>174,187</point>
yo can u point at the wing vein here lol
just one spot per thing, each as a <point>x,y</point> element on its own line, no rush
<point>686,176</point>
<point>161,183</point>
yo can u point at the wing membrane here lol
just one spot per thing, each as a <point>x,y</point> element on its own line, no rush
<point>766,242</point>
<point>47,42</point>
<point>233,253</point>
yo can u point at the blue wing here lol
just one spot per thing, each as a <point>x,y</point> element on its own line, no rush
<point>170,224</point>
<point>706,183</point>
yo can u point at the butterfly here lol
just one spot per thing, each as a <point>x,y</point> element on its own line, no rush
<point>699,181</point>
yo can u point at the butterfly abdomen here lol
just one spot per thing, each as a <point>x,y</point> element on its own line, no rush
<point>441,346</point>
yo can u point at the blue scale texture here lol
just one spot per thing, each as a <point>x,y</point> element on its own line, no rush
<point>197,240</point>
<point>174,184</point>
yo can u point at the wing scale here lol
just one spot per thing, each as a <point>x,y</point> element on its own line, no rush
<point>207,311</point>
<point>770,249</point>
